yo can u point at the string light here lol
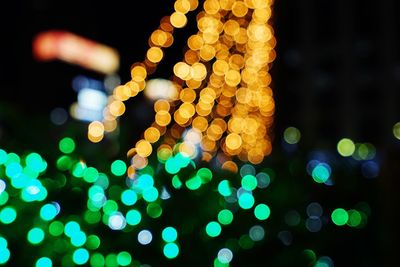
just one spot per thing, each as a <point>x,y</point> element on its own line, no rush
<point>160,38</point>
<point>223,83</point>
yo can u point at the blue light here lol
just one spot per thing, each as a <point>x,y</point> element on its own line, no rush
<point>44,262</point>
<point>370,169</point>
<point>80,256</point>
<point>321,173</point>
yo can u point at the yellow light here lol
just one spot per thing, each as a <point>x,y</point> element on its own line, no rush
<point>186,110</point>
<point>131,172</point>
<point>195,42</point>
<point>178,19</point>
<point>193,4</point>
<point>138,73</point>
<point>95,139</point>
<point>191,57</point>
<point>226,4</point>
<point>200,123</point>
<point>233,141</point>
<point>211,6</point>
<point>134,88</point>
<point>96,129</point>
<point>258,4</point>
<point>163,118</point>
<point>187,95</point>
<point>182,6</point>
<point>396,130</point>
<point>220,67</point>
<point>236,62</point>
<point>152,134</point>
<point>230,166</point>
<point>239,9</point>
<point>182,70</point>
<point>161,105</point>
<point>207,52</point>
<point>122,92</point>
<point>110,125</point>
<point>261,15</point>
<point>232,77</point>
<point>207,144</point>
<point>188,149</point>
<point>143,148</point>
<point>159,37</point>
<point>155,54</point>
<point>178,118</point>
<point>117,108</point>
<point>221,84</point>
<point>231,27</point>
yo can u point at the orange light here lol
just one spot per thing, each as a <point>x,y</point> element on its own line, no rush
<point>75,49</point>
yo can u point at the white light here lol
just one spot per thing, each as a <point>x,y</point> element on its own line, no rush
<point>225,255</point>
<point>90,105</point>
<point>2,186</point>
<point>57,206</point>
<point>193,136</point>
<point>165,194</point>
<point>84,114</point>
<point>145,237</point>
<point>92,99</point>
<point>161,89</point>
<point>33,189</point>
<point>117,221</point>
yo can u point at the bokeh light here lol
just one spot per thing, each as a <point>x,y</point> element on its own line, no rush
<point>256,233</point>
<point>340,216</point>
<point>35,235</point>
<point>171,250</point>
<point>67,145</point>
<point>213,229</point>
<point>80,256</point>
<point>169,234</point>
<point>207,144</point>
<point>225,217</point>
<point>396,130</point>
<point>124,258</point>
<point>8,215</point>
<point>145,237</point>
<point>291,135</point>
<point>44,262</point>
<point>346,147</point>
<point>321,173</point>
<point>118,168</point>
<point>246,201</point>
<point>133,217</point>
<point>225,255</point>
<point>262,212</point>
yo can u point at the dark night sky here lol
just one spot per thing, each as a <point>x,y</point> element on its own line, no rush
<point>336,73</point>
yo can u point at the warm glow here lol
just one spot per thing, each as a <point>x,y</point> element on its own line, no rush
<point>221,86</point>
<point>77,50</point>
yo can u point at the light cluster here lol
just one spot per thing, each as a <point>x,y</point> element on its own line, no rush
<point>173,201</point>
<point>225,102</point>
<point>161,38</point>
<point>133,207</point>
